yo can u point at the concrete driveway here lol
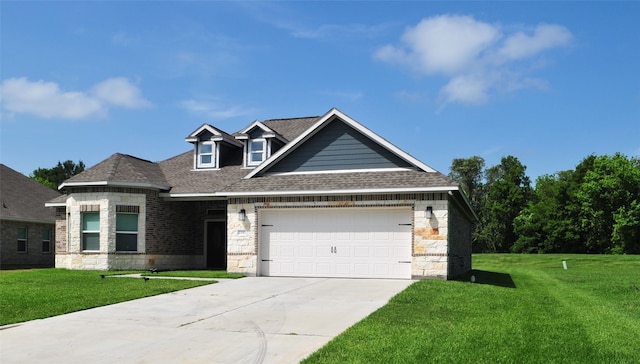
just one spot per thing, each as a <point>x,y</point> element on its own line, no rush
<point>249,320</point>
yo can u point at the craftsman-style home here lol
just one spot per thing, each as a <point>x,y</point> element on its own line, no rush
<point>315,197</point>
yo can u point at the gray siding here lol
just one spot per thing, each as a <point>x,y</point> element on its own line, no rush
<point>338,146</point>
<point>256,133</point>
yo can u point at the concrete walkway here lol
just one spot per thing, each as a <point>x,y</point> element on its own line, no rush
<point>249,320</point>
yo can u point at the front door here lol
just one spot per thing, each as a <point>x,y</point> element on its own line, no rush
<point>216,245</point>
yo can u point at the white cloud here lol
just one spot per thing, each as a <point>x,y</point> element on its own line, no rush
<point>478,58</point>
<point>211,107</point>
<point>120,92</point>
<point>47,100</point>
<point>521,45</point>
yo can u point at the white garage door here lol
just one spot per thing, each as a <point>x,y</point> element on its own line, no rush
<point>336,242</point>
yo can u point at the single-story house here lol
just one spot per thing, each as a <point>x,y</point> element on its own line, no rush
<point>27,227</point>
<point>315,196</point>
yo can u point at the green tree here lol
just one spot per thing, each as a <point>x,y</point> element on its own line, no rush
<point>609,199</point>
<point>468,172</point>
<point>53,177</point>
<point>547,224</point>
<point>507,192</point>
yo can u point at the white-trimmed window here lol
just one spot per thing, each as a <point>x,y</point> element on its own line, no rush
<point>46,241</point>
<point>257,152</point>
<point>206,155</point>
<point>126,232</point>
<point>22,239</point>
<point>91,231</point>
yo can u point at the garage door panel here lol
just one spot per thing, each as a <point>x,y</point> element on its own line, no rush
<point>361,251</point>
<point>338,242</point>
<point>382,252</point>
<point>307,252</point>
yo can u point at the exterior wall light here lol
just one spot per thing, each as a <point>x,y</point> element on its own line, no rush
<point>242,215</point>
<point>429,212</point>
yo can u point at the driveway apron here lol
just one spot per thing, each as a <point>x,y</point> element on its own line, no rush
<point>249,320</point>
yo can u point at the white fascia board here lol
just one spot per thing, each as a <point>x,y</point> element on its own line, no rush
<point>218,135</point>
<point>55,204</point>
<point>366,191</point>
<point>268,132</point>
<point>114,184</point>
<point>351,122</point>
<point>257,123</point>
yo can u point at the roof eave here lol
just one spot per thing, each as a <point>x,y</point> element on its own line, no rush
<point>27,220</point>
<point>114,184</point>
<point>341,191</point>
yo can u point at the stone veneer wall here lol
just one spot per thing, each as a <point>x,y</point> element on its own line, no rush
<point>459,242</point>
<point>170,233</point>
<point>34,256</point>
<point>429,243</point>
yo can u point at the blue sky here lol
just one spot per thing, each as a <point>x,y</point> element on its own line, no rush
<point>547,82</point>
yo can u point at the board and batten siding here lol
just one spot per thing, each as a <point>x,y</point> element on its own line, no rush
<point>338,146</point>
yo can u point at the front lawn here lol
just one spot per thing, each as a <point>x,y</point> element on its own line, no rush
<point>39,293</point>
<point>194,274</point>
<point>522,309</point>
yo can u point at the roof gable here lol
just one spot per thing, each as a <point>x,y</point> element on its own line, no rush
<point>210,133</point>
<point>257,129</point>
<point>338,146</point>
<point>23,199</point>
<point>337,142</point>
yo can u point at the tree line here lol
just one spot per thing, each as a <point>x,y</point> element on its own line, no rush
<point>53,177</point>
<point>594,208</point>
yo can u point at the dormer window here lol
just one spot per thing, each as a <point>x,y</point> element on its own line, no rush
<point>260,142</point>
<point>213,148</point>
<point>257,152</point>
<point>206,155</point>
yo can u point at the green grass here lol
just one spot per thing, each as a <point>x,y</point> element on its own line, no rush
<point>39,293</point>
<point>522,309</point>
<point>195,274</point>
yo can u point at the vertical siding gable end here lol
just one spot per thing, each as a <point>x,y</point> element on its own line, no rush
<point>338,146</point>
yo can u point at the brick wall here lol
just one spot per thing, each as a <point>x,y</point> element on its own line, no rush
<point>61,230</point>
<point>34,256</point>
<point>459,242</point>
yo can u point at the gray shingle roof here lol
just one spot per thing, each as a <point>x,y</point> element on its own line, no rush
<point>23,199</point>
<point>178,173</point>
<point>291,128</point>
<point>342,181</point>
<point>183,179</point>
<point>122,168</point>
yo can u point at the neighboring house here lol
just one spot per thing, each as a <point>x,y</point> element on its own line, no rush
<point>317,196</point>
<point>27,227</point>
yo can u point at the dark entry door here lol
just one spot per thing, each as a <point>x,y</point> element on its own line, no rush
<point>216,245</point>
